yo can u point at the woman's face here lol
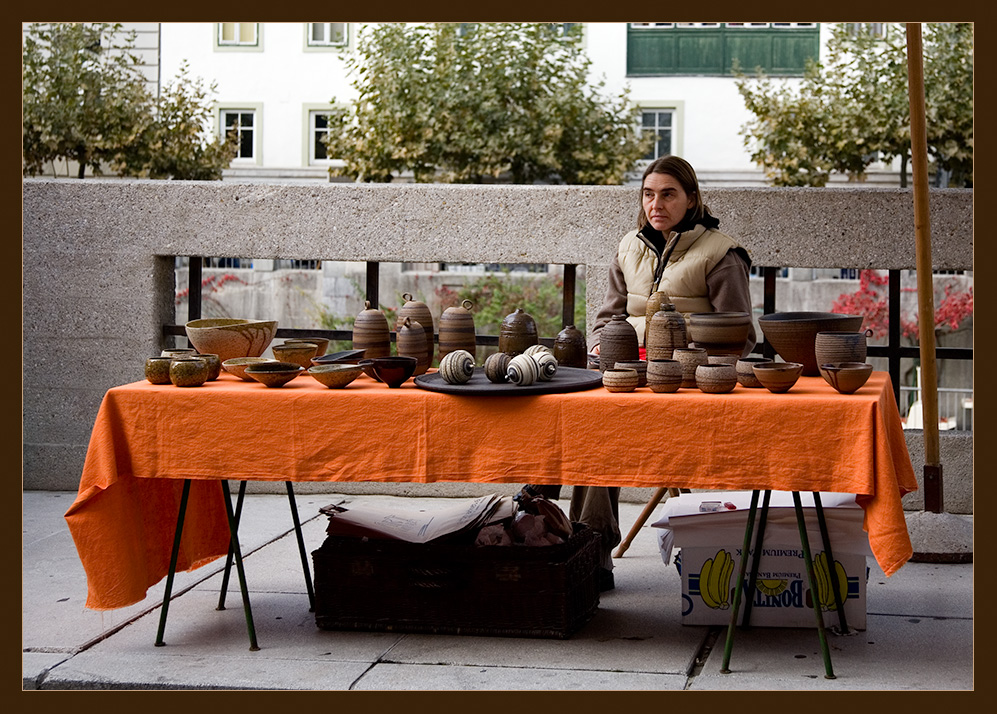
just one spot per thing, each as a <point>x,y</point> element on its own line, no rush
<point>665,202</point>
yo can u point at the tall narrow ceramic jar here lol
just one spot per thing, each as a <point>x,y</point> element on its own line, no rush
<point>617,343</point>
<point>666,332</point>
<point>654,304</point>
<point>371,333</point>
<point>411,342</point>
<point>457,330</point>
<point>419,312</point>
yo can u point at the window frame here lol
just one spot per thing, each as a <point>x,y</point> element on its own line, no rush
<point>328,46</point>
<point>237,46</point>
<point>677,110</point>
<point>308,136</point>
<point>257,129</point>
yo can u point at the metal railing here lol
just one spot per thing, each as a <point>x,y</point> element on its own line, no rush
<point>955,407</point>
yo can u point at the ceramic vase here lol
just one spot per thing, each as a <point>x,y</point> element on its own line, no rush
<point>570,348</point>
<point>419,312</point>
<point>457,330</point>
<point>371,333</point>
<point>690,358</point>
<point>619,380</point>
<point>617,343</point>
<point>517,332</point>
<point>664,375</point>
<point>666,332</point>
<point>716,378</point>
<point>410,341</point>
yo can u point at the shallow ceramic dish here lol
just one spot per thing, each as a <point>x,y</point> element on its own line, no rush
<point>237,366</point>
<point>393,371</point>
<point>274,374</point>
<point>793,334</point>
<point>778,377</point>
<point>230,337</point>
<point>846,377</point>
<point>343,357</point>
<point>335,376</point>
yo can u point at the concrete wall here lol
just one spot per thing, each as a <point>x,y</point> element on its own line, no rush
<point>99,270</point>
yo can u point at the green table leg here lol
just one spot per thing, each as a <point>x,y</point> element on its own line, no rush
<point>756,559</point>
<point>805,543</point>
<point>724,669</point>
<point>832,570</point>
<point>301,546</point>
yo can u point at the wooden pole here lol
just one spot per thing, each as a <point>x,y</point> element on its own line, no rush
<point>925,286</point>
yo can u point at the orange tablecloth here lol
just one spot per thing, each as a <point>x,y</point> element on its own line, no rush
<point>148,438</point>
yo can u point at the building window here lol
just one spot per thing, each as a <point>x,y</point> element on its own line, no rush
<point>658,121</point>
<point>243,122</point>
<point>318,130</point>
<point>327,34</point>
<point>711,48</point>
<point>241,34</point>
<point>873,29</point>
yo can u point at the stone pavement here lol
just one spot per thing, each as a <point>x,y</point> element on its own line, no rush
<point>919,632</point>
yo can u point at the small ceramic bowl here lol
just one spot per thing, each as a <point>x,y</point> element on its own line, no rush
<point>237,366</point>
<point>393,371</point>
<point>846,377</point>
<point>620,380</point>
<point>321,343</point>
<point>778,377</point>
<point>335,376</point>
<point>745,374</point>
<point>639,366</point>
<point>300,353</point>
<point>188,371</point>
<point>214,365</point>
<point>157,370</point>
<point>367,365</point>
<point>716,378</point>
<point>274,374</point>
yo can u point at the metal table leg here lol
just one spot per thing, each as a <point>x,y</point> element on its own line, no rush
<point>173,563</point>
<point>237,552</point>
<point>724,669</point>
<point>301,546</point>
<point>832,569</point>
<point>228,558</point>
<point>805,543</point>
<point>756,559</point>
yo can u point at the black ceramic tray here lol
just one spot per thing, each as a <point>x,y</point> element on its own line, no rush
<point>566,379</point>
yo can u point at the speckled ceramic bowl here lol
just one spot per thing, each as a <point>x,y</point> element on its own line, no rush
<point>188,371</point>
<point>321,343</point>
<point>237,366</point>
<point>335,376</point>
<point>299,353</point>
<point>274,374</point>
<point>231,337</point>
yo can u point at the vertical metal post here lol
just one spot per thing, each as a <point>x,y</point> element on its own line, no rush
<point>568,308</point>
<point>832,569</point>
<point>893,348</point>
<point>195,263</point>
<point>768,304</point>
<point>756,558</point>
<point>301,546</point>
<point>237,552</point>
<point>373,282</point>
<point>228,558</point>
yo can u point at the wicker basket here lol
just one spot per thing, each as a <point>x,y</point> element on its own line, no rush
<point>513,591</point>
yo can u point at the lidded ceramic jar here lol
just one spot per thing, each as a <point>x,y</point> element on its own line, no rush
<point>371,333</point>
<point>666,331</point>
<point>457,330</point>
<point>419,312</point>
<point>411,342</point>
<point>517,332</point>
<point>690,358</point>
<point>188,371</point>
<point>617,343</point>
<point>570,348</point>
<point>654,304</point>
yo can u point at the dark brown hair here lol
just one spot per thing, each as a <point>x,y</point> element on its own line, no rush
<point>682,171</point>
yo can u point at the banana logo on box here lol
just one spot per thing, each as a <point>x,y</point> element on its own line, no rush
<point>825,590</point>
<point>714,580</point>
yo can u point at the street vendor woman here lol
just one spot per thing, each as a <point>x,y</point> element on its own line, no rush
<point>676,249</point>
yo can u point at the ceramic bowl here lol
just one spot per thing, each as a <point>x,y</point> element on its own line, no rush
<point>793,334</point>
<point>745,374</point>
<point>321,343</point>
<point>299,353</point>
<point>188,371</point>
<point>831,347</point>
<point>716,378</point>
<point>335,376</point>
<point>720,333</point>
<point>393,371</point>
<point>214,365</point>
<point>620,380</point>
<point>639,366</point>
<point>778,377</point>
<point>230,337</point>
<point>157,370</point>
<point>846,377</point>
<point>343,357</point>
<point>274,374</point>
<point>237,366</point>
<point>664,375</point>
<point>367,365</point>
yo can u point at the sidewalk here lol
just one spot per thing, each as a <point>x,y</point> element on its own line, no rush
<point>919,633</point>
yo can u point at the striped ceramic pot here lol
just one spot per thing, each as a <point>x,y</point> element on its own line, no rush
<point>664,375</point>
<point>457,367</point>
<point>619,380</point>
<point>411,342</point>
<point>547,365</point>
<point>523,370</point>
<point>497,367</point>
<point>371,333</point>
<point>457,330</point>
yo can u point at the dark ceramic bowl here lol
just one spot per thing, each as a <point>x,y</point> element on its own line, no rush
<point>792,334</point>
<point>720,333</point>
<point>777,377</point>
<point>344,357</point>
<point>393,371</point>
<point>367,365</point>
<point>846,377</point>
<point>274,374</point>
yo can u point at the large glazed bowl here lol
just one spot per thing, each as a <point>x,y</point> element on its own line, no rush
<point>230,337</point>
<point>792,334</point>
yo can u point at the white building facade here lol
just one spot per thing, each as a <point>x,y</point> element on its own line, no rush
<point>276,78</point>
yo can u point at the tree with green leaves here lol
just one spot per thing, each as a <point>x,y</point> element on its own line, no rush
<point>83,97</point>
<point>854,107</point>
<point>482,102</point>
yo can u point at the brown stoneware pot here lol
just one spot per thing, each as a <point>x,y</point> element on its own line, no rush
<point>840,347</point>
<point>778,377</point>
<point>274,374</point>
<point>666,331</point>
<point>457,330</point>
<point>690,358</point>
<point>617,343</point>
<point>653,306</point>
<point>793,334</point>
<point>716,378</point>
<point>517,332</point>
<point>570,348</point>
<point>157,370</point>
<point>299,353</point>
<point>720,333</point>
<point>846,377</point>
<point>620,380</point>
<point>745,374</point>
<point>664,375</point>
<point>639,366</point>
<point>188,371</point>
<point>411,342</point>
<point>419,312</point>
<point>371,333</point>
